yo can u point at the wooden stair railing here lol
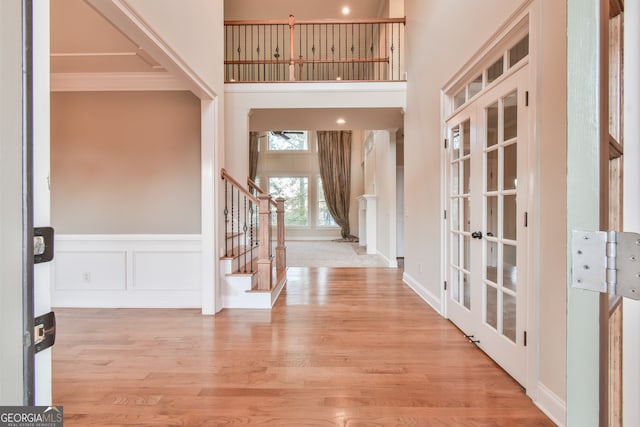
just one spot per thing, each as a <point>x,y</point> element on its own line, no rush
<point>241,224</point>
<point>278,204</point>
<point>248,230</point>
<point>314,50</point>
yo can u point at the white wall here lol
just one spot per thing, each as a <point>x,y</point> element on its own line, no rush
<point>550,219</point>
<point>461,27</point>
<point>430,64</point>
<point>385,178</point>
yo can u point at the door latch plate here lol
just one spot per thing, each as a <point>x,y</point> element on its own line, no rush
<point>42,244</point>
<point>44,335</point>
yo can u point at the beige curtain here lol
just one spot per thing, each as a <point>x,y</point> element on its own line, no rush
<point>253,155</point>
<point>334,154</point>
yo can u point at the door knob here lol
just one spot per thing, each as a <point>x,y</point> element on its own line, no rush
<point>477,234</point>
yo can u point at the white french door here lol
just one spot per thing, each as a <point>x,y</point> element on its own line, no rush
<point>486,236</point>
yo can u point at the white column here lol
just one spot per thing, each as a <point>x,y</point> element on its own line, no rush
<point>209,214</point>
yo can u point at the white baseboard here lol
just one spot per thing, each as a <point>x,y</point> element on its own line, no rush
<point>429,298</point>
<point>553,406</point>
<point>128,271</point>
<point>276,293</point>
<point>123,299</point>
<point>391,263</point>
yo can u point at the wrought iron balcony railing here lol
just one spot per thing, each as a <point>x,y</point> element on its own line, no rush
<point>312,50</point>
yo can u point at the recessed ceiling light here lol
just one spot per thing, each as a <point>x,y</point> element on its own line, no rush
<point>341,121</point>
<point>345,10</point>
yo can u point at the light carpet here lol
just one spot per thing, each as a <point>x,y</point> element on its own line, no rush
<point>330,254</point>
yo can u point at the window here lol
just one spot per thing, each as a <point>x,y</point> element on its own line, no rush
<point>510,57</point>
<point>495,70</point>
<point>288,140</point>
<point>295,190</point>
<point>324,218</point>
<point>519,51</point>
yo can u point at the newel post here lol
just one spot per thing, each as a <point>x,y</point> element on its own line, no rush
<point>281,249</point>
<point>264,259</point>
<point>292,64</point>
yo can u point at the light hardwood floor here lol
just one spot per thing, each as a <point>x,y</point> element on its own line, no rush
<point>342,347</point>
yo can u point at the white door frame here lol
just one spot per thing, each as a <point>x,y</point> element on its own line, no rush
<point>523,19</point>
<point>583,205</point>
<point>12,383</point>
<point>41,192</point>
<point>471,322</point>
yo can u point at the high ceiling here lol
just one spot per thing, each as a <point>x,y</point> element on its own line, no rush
<point>82,41</point>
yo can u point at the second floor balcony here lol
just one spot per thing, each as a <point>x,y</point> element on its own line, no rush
<point>314,50</point>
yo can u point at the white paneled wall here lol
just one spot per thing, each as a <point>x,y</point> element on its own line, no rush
<point>127,271</point>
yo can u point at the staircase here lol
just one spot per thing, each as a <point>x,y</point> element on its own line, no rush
<point>251,275</point>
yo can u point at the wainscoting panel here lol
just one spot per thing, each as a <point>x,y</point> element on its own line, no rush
<point>127,271</point>
<point>97,270</point>
<point>166,270</point>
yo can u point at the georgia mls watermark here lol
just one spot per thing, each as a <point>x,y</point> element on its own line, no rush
<point>31,416</point>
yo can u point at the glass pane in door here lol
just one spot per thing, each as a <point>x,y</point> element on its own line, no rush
<point>455,284</point>
<point>491,316</point>
<point>460,212</point>
<point>492,216</point>
<point>510,167</point>
<point>455,142</point>
<point>466,176</point>
<point>455,213</point>
<point>492,170</point>
<point>510,115</point>
<point>466,249</point>
<point>466,290</point>
<point>492,125</point>
<point>492,262</point>
<point>455,179</point>
<point>466,215</point>
<point>509,316</point>
<point>509,267</point>
<point>509,221</point>
<point>455,250</point>
<point>501,215</point>
<point>466,137</point>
